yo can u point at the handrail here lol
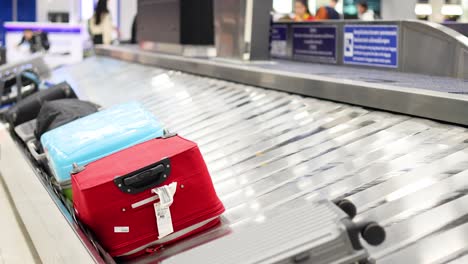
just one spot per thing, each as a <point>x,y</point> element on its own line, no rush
<point>423,47</point>
<point>36,62</point>
<point>44,217</point>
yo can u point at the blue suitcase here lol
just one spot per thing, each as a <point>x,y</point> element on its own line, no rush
<point>96,136</point>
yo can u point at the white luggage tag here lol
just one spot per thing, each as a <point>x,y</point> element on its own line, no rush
<point>162,210</point>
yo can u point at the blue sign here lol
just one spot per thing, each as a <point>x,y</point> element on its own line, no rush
<point>279,40</point>
<point>371,45</point>
<point>316,43</point>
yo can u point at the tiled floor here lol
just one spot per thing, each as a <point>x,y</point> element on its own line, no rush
<point>13,246</point>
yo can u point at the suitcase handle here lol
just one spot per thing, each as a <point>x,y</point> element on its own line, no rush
<point>33,150</point>
<point>145,178</point>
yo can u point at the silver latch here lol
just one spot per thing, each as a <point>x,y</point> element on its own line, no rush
<point>77,169</point>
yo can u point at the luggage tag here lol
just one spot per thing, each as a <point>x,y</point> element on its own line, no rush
<point>162,209</point>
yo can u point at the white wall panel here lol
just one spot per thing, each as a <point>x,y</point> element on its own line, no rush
<point>128,10</point>
<point>45,6</point>
<point>398,9</point>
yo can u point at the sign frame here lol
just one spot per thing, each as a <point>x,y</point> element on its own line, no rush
<point>313,58</point>
<point>397,41</point>
<point>287,54</point>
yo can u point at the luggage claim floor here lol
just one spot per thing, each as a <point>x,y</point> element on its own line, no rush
<point>266,150</point>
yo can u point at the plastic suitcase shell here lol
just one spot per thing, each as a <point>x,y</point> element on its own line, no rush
<point>104,202</point>
<point>95,136</point>
<point>315,232</point>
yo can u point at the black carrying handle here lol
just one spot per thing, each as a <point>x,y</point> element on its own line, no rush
<point>145,178</point>
<point>2,90</point>
<point>19,86</point>
<point>34,150</point>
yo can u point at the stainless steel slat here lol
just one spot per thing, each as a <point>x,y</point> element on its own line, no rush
<point>188,110</point>
<point>258,184</point>
<point>261,136</point>
<point>324,141</point>
<point>214,109</point>
<point>327,173</point>
<point>242,131</point>
<point>405,243</point>
<point>402,184</point>
<point>461,260</point>
<point>400,209</point>
<point>226,120</point>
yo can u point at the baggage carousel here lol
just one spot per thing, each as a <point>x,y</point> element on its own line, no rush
<point>268,150</point>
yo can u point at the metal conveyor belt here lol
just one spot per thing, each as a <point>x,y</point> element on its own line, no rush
<point>268,150</point>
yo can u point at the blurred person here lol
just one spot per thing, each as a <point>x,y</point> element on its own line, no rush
<point>134,39</point>
<point>3,59</point>
<point>451,18</point>
<point>328,12</point>
<point>37,41</point>
<point>301,11</point>
<point>100,25</point>
<point>364,13</point>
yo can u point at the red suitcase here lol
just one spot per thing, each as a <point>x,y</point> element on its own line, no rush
<point>118,197</point>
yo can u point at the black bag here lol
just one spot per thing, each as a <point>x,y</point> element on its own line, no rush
<point>26,84</point>
<point>98,39</point>
<point>29,108</point>
<point>3,58</point>
<point>60,112</point>
<point>45,40</point>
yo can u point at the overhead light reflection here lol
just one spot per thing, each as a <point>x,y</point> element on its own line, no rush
<point>260,219</point>
<point>254,206</point>
<point>258,97</point>
<point>304,184</point>
<point>301,115</point>
<point>411,188</point>
<point>161,79</point>
<point>312,197</point>
<point>182,95</point>
<point>422,9</point>
<point>452,10</point>
<point>249,191</point>
<point>243,180</point>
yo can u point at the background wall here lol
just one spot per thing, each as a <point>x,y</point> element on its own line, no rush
<point>465,8</point>
<point>128,10</point>
<point>5,15</point>
<point>123,11</point>
<point>436,10</point>
<point>398,9</point>
<point>114,9</point>
<point>45,6</point>
<point>25,11</point>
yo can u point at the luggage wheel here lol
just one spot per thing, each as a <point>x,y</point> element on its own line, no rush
<point>348,207</point>
<point>373,233</point>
